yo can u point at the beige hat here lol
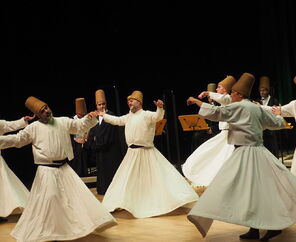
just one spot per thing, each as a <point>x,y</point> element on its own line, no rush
<point>34,104</point>
<point>244,84</point>
<point>212,87</point>
<point>80,106</point>
<point>138,95</point>
<point>227,83</point>
<point>100,96</point>
<point>264,82</point>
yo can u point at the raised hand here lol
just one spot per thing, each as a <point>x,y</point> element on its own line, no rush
<point>203,95</point>
<point>29,118</point>
<point>158,103</point>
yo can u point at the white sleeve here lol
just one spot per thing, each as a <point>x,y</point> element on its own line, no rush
<point>80,126</point>
<point>154,117</point>
<point>18,140</point>
<point>10,126</point>
<point>289,110</point>
<point>120,121</point>
<point>223,99</point>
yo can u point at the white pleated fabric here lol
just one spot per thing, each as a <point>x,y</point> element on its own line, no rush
<point>293,166</point>
<point>60,207</point>
<point>146,184</point>
<point>289,110</point>
<point>253,188</point>
<point>204,163</point>
<point>13,193</point>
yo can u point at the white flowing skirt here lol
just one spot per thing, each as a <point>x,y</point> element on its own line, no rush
<point>13,193</point>
<point>253,188</point>
<point>146,184</point>
<point>60,207</point>
<point>293,166</point>
<point>204,163</point>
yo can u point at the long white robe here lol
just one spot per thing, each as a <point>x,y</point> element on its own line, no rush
<point>146,184</point>
<point>60,206</point>
<point>289,110</point>
<point>253,188</point>
<point>204,163</point>
<point>13,193</point>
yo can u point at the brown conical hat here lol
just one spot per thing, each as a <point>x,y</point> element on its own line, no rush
<point>227,83</point>
<point>212,87</point>
<point>100,96</point>
<point>138,95</point>
<point>34,104</point>
<point>80,106</point>
<point>264,82</point>
<point>244,84</point>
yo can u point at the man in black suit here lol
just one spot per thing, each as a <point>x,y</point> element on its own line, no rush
<point>107,144</point>
<point>270,137</point>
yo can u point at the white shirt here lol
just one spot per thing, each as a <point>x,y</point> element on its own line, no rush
<point>50,141</point>
<point>100,119</point>
<point>139,126</point>
<point>265,100</point>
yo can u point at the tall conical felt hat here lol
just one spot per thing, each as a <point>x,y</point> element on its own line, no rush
<point>138,95</point>
<point>264,82</point>
<point>80,106</point>
<point>227,83</point>
<point>100,96</point>
<point>244,84</point>
<point>34,104</point>
<point>212,87</point>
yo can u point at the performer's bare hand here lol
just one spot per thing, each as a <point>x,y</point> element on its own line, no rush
<point>191,100</point>
<point>80,140</point>
<point>210,131</point>
<point>29,118</point>
<point>276,110</point>
<point>158,103</point>
<point>92,114</point>
<point>101,112</point>
<point>203,95</point>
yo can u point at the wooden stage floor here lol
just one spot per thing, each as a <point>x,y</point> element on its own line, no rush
<point>172,227</point>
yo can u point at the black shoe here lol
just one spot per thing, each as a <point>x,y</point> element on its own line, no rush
<point>3,220</point>
<point>270,234</point>
<point>251,234</point>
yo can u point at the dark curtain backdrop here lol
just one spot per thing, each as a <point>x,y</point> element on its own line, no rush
<point>278,49</point>
<point>58,51</point>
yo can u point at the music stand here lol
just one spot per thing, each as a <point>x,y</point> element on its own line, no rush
<point>159,126</point>
<point>193,122</point>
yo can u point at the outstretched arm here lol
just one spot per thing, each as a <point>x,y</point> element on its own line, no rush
<point>223,99</point>
<point>192,100</point>
<point>18,140</point>
<point>10,126</point>
<point>288,110</point>
<point>82,125</point>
